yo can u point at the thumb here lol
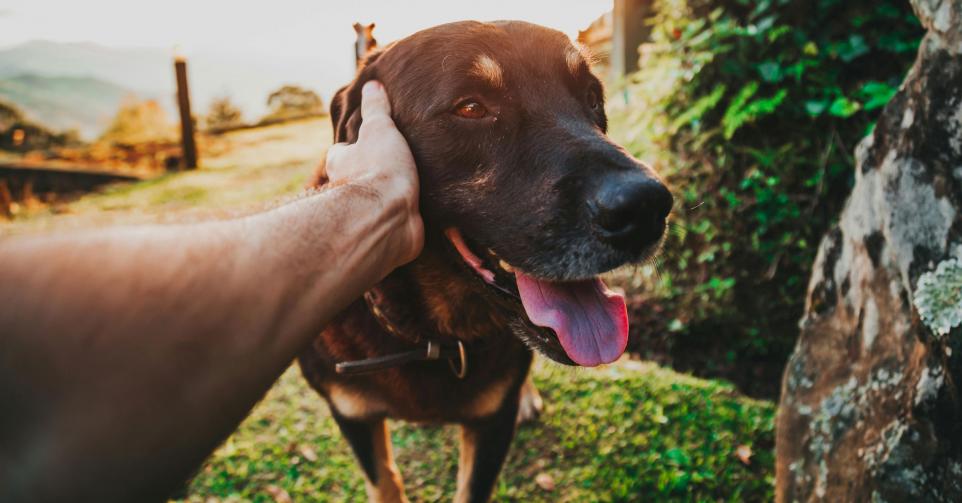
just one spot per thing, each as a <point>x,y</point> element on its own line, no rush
<point>374,102</point>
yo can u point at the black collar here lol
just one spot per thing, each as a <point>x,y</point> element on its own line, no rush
<point>422,350</point>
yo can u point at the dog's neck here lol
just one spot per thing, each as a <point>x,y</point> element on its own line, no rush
<point>433,297</point>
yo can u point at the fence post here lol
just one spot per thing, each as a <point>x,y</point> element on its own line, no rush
<point>6,200</point>
<point>189,146</point>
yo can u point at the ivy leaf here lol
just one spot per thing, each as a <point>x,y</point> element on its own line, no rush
<point>741,112</point>
<point>694,113</point>
<point>771,71</point>
<point>815,108</point>
<point>844,107</point>
<point>876,94</point>
<point>734,115</point>
<point>938,297</point>
<point>852,48</point>
<point>778,32</point>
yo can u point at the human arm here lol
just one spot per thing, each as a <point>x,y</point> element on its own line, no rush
<point>127,355</point>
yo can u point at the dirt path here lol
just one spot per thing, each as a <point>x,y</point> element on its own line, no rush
<point>241,172</point>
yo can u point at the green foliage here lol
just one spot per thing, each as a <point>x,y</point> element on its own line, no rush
<point>938,297</point>
<point>290,102</point>
<point>139,122</point>
<point>61,102</point>
<point>18,134</point>
<point>752,109</point>
<point>9,116</point>
<point>628,432</point>
<point>223,114</point>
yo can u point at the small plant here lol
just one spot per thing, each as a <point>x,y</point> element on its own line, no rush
<point>223,114</point>
<point>938,297</point>
<point>139,122</point>
<point>291,102</point>
<point>752,110</point>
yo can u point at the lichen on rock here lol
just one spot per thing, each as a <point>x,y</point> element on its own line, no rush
<point>868,410</point>
<point>938,297</point>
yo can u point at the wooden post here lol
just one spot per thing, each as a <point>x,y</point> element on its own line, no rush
<point>628,31</point>
<point>189,153</point>
<point>6,200</point>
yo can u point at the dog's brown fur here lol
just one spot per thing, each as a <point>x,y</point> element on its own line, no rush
<point>445,299</point>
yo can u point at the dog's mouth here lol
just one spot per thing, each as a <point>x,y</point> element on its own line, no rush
<point>589,320</point>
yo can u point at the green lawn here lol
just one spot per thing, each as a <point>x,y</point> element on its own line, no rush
<point>626,432</point>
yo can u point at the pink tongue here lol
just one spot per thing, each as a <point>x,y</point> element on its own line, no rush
<point>590,321</point>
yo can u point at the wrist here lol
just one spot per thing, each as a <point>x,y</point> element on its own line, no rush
<point>398,203</point>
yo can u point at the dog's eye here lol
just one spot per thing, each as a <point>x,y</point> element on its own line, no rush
<point>594,102</point>
<point>471,110</point>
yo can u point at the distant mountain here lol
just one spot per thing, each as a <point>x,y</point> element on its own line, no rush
<point>148,73</point>
<point>145,70</point>
<point>82,103</point>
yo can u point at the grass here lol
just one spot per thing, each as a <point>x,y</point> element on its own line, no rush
<point>241,172</point>
<point>625,432</point>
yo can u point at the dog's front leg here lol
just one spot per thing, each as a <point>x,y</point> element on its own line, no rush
<point>484,446</point>
<point>530,405</point>
<point>371,442</point>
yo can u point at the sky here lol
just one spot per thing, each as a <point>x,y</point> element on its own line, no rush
<point>287,33</point>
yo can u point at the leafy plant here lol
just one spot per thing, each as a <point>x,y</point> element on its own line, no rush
<point>751,110</point>
<point>223,114</point>
<point>139,122</point>
<point>290,102</point>
<point>19,134</point>
<point>938,297</point>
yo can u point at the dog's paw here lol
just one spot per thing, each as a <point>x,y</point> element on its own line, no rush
<point>531,405</point>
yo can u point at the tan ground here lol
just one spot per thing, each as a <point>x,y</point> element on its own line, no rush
<point>240,172</point>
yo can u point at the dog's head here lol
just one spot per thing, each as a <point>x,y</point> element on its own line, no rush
<point>508,128</point>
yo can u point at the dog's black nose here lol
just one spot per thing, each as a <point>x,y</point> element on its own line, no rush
<point>629,211</point>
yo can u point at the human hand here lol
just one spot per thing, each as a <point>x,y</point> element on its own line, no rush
<point>382,162</point>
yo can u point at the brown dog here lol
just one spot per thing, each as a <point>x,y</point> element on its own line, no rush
<point>525,201</point>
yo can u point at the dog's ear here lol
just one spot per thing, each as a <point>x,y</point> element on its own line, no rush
<point>337,109</point>
<point>346,104</point>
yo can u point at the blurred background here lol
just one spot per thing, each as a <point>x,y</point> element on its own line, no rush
<point>103,51</point>
<point>750,109</point>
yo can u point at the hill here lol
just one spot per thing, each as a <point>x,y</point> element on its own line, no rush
<point>148,72</point>
<point>82,103</point>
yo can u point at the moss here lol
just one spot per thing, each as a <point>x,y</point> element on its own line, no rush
<point>628,432</point>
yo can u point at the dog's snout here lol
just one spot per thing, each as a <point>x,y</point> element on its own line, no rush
<point>629,211</point>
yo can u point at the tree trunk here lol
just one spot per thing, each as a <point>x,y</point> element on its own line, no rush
<point>869,408</point>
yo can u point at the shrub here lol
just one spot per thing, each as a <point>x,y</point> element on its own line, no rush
<point>292,102</point>
<point>752,109</point>
<point>139,122</point>
<point>18,134</point>
<point>223,115</point>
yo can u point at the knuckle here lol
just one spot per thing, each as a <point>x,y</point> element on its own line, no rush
<point>378,122</point>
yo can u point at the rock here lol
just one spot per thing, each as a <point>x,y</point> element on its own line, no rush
<point>869,411</point>
<point>744,454</point>
<point>279,494</point>
<point>545,481</point>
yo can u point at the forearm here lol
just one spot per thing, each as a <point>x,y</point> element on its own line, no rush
<point>170,334</point>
